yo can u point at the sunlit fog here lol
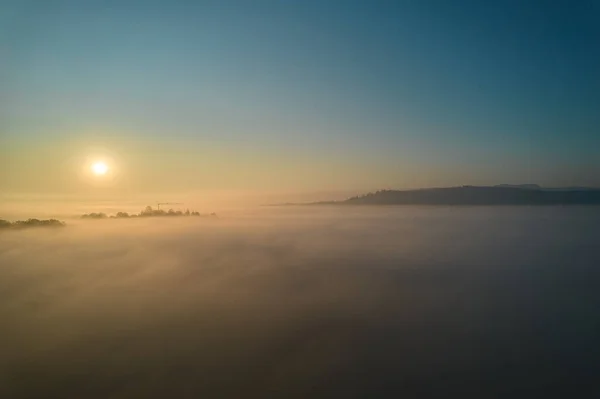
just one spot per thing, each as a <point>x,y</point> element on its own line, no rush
<point>301,302</point>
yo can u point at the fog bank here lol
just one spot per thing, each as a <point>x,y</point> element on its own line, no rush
<point>304,302</point>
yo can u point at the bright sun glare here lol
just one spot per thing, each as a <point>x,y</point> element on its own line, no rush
<point>99,168</point>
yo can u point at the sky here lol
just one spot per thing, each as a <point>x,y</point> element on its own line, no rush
<point>303,96</point>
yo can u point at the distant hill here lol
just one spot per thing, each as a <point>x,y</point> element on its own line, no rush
<point>528,186</point>
<point>529,194</point>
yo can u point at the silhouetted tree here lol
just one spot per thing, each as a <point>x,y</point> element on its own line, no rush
<point>148,211</point>
<point>38,223</point>
<point>93,215</point>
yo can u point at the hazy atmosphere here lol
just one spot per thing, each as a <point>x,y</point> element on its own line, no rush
<point>299,199</point>
<point>309,302</point>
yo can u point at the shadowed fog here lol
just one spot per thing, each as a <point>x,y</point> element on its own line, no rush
<point>305,302</point>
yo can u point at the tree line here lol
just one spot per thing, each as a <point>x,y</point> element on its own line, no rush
<point>146,212</point>
<point>5,224</point>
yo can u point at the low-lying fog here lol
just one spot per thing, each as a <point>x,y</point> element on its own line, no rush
<point>305,302</point>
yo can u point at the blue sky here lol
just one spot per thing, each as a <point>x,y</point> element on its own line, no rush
<point>345,94</point>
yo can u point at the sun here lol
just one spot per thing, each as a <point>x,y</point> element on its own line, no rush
<point>99,168</point>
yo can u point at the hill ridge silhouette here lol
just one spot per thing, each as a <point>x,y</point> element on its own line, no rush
<point>505,194</point>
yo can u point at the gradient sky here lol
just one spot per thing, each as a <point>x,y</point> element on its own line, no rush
<point>298,95</point>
